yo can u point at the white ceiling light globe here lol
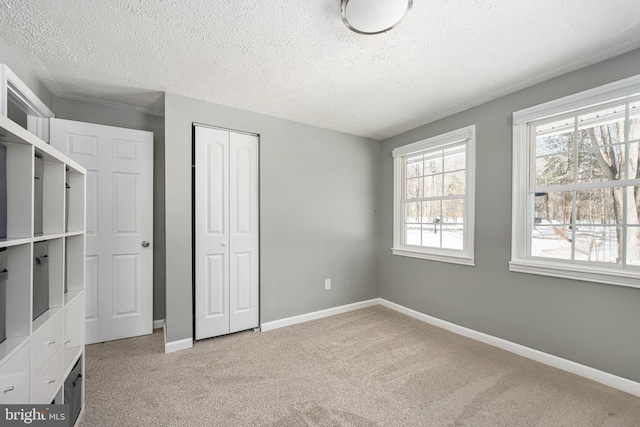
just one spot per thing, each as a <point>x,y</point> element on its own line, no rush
<point>374,16</point>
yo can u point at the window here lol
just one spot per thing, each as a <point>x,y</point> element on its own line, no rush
<point>576,186</point>
<point>434,198</point>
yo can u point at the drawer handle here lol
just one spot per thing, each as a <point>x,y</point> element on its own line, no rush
<point>67,341</point>
<point>8,389</point>
<point>50,381</point>
<point>50,342</point>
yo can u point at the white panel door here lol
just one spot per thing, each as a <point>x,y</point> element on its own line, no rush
<point>243,232</point>
<point>212,232</point>
<point>226,232</point>
<point>119,225</point>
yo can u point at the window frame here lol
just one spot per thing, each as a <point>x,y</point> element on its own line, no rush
<point>522,169</point>
<point>466,136</point>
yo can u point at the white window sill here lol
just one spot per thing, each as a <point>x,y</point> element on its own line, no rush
<point>577,272</point>
<point>453,259</point>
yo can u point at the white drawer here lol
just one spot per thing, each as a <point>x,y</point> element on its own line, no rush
<point>72,326</point>
<point>46,343</point>
<point>47,384</point>
<point>14,377</point>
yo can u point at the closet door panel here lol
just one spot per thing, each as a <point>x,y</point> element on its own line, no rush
<point>212,232</point>
<point>243,215</point>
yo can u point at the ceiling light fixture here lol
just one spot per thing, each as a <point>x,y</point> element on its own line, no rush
<point>374,16</point>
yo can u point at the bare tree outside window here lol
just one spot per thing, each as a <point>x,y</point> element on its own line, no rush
<point>434,198</point>
<point>587,166</point>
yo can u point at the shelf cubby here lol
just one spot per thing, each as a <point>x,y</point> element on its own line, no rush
<point>76,205</point>
<point>53,198</point>
<point>56,273</point>
<point>19,191</point>
<point>18,298</point>
<point>75,249</point>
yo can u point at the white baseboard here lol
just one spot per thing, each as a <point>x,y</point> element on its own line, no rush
<point>281,323</point>
<point>602,377</point>
<point>170,347</point>
<point>157,324</point>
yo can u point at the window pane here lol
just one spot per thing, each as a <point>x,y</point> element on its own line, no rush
<point>453,236</point>
<point>412,234</point>
<point>431,234</point>
<point>431,218</point>
<point>550,242</point>
<point>601,128</point>
<point>431,212</point>
<point>414,188</point>
<point>433,186</point>
<point>597,206</point>
<point>592,166</point>
<point>634,155</point>
<point>555,138</point>
<point>412,223</point>
<point>454,183</point>
<point>412,212</point>
<point>634,121</point>
<point>453,211</point>
<point>453,227</point>
<point>414,166</point>
<point>433,162</point>
<point>553,208</point>
<point>555,169</point>
<point>597,244</point>
<point>454,158</point>
<point>633,245</point>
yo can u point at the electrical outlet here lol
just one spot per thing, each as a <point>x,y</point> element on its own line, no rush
<point>327,284</point>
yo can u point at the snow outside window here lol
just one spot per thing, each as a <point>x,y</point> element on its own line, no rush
<point>577,186</point>
<point>434,197</point>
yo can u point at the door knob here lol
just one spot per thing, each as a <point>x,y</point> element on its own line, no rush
<point>145,244</point>
<point>224,244</point>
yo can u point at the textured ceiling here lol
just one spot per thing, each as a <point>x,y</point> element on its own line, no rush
<point>297,60</point>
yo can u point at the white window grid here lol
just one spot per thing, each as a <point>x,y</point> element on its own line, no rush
<point>625,92</point>
<point>465,139</point>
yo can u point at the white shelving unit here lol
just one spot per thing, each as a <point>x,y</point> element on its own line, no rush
<point>39,354</point>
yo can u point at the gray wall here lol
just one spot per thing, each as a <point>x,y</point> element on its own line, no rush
<point>132,119</point>
<point>318,201</point>
<point>592,324</point>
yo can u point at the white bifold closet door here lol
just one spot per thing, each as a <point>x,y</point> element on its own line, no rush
<point>226,232</point>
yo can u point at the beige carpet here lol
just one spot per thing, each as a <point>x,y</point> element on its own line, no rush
<point>371,367</point>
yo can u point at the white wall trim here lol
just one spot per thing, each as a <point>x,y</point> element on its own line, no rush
<point>157,324</point>
<point>617,90</point>
<point>170,347</point>
<point>602,377</point>
<point>611,380</point>
<point>281,323</point>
